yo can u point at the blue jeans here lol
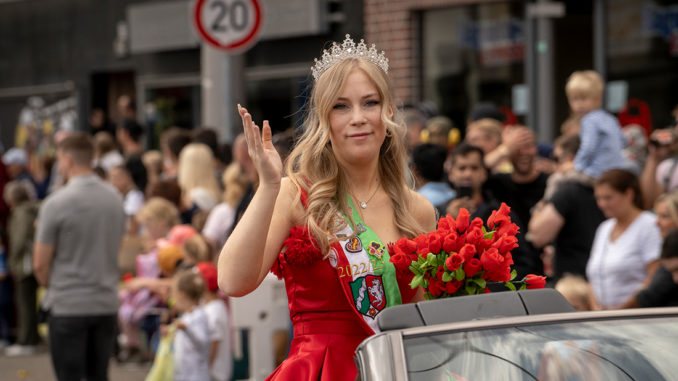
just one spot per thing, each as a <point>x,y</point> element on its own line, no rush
<point>81,346</point>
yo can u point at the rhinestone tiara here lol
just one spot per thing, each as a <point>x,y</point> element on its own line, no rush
<point>348,49</point>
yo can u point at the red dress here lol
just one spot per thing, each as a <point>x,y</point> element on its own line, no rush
<point>326,329</point>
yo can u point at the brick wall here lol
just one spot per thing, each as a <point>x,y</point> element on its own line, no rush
<point>393,26</point>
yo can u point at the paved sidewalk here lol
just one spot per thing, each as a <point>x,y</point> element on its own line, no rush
<point>39,368</point>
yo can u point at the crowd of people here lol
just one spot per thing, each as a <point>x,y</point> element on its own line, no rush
<point>124,241</point>
<point>127,241</point>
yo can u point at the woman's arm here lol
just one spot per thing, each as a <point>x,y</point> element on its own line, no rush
<point>255,242</point>
<point>544,225</point>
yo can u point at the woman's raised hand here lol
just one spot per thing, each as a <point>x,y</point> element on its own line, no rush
<point>260,148</point>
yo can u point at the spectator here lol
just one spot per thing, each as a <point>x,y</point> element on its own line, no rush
<point>524,187</point>
<point>220,359</point>
<point>415,121</point>
<point>626,247</point>
<point>660,174</point>
<point>99,123</point>
<point>192,341</point>
<point>153,162</point>
<point>662,291</point>
<point>497,143</point>
<point>129,134</point>
<point>467,171</point>
<point>440,131</point>
<point>576,291</point>
<point>428,162</point>
<point>602,140</point>
<point>199,188</point>
<point>221,218</point>
<point>122,178</point>
<point>106,153</point>
<point>167,189</point>
<point>172,142</point>
<point>16,162</point>
<point>77,241</point>
<point>21,229</point>
<point>521,190</point>
<point>568,216</point>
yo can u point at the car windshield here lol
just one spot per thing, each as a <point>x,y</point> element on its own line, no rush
<point>632,349</point>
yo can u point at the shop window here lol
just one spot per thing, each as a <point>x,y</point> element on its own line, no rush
<point>470,54</point>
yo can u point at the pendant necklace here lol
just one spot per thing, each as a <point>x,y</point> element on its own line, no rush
<point>363,204</point>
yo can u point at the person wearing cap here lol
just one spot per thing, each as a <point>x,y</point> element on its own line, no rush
<point>16,162</point>
<point>660,173</point>
<point>218,323</point>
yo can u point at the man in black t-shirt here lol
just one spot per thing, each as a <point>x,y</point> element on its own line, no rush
<point>521,190</point>
<point>525,186</point>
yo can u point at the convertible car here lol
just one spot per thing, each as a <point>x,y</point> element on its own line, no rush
<point>525,335</point>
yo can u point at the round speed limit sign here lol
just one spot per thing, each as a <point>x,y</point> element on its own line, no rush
<point>230,25</point>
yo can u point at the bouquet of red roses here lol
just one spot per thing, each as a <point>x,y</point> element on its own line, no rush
<point>462,256</point>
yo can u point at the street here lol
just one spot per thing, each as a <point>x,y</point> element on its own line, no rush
<point>39,368</point>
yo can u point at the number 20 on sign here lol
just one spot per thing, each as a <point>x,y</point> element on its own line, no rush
<point>230,25</point>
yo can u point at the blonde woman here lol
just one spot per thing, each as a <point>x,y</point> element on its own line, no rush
<point>221,218</point>
<point>345,197</point>
<point>199,187</point>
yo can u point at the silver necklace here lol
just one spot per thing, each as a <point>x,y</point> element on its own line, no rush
<point>363,204</point>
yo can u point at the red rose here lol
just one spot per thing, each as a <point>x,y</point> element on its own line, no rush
<point>535,281</point>
<point>477,223</point>
<point>435,286</point>
<point>401,262</point>
<point>447,224</point>
<point>508,259</point>
<point>474,236</point>
<point>450,242</point>
<point>127,277</point>
<point>491,260</point>
<point>502,274</point>
<point>422,244</point>
<point>453,286</point>
<point>505,243</point>
<point>507,229</point>
<point>467,252</point>
<point>435,242</point>
<point>472,267</point>
<point>462,220</point>
<point>499,217</point>
<point>454,261</point>
<point>404,246</point>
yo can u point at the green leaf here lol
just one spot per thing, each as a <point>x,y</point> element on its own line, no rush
<point>415,269</point>
<point>447,277</point>
<point>510,286</point>
<point>416,281</point>
<point>431,259</point>
<point>523,287</point>
<point>470,289</point>
<point>459,274</point>
<point>480,282</point>
<point>483,229</point>
<point>489,234</point>
<point>514,274</point>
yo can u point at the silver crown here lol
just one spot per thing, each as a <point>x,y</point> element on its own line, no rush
<point>348,49</point>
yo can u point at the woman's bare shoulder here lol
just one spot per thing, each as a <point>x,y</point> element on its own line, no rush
<point>422,210</point>
<point>290,201</point>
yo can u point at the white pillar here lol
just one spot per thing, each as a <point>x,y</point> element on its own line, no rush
<point>217,96</point>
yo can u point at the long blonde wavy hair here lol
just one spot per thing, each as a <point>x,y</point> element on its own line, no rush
<point>313,166</point>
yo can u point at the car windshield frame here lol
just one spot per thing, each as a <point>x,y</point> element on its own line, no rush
<point>395,340</point>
